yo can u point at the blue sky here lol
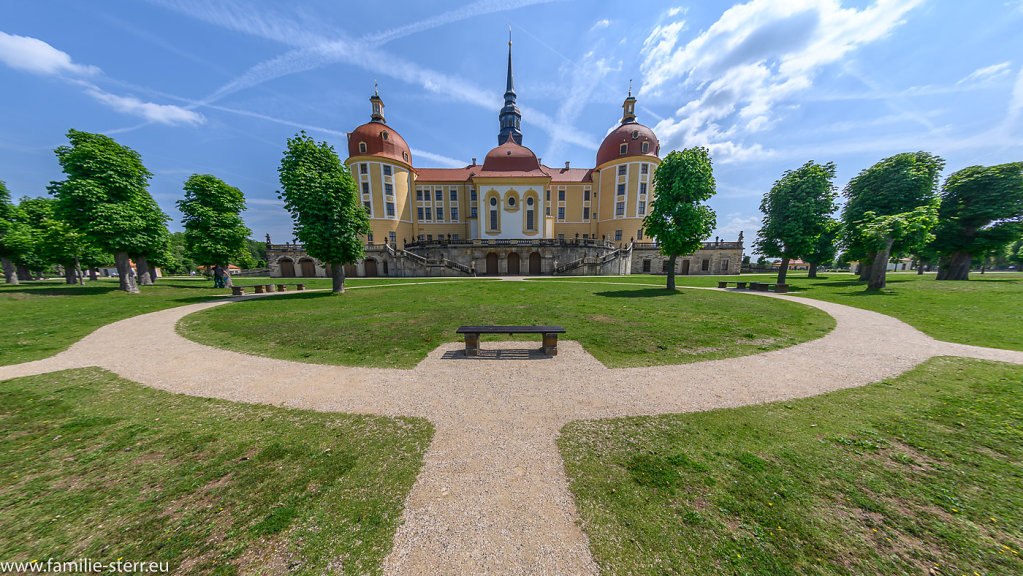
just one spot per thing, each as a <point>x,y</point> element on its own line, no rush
<point>213,86</point>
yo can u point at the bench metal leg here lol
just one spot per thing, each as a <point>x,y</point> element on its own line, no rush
<point>472,344</point>
<point>550,344</point>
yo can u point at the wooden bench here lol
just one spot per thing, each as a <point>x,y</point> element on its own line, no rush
<point>239,290</point>
<point>284,287</point>
<point>472,336</point>
<point>738,284</point>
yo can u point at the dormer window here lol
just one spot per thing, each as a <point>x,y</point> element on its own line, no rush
<point>623,149</point>
<point>384,134</point>
<point>362,147</point>
<point>405,156</point>
<point>635,134</point>
<point>646,147</point>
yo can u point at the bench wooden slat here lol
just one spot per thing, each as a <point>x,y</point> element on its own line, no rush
<point>510,330</point>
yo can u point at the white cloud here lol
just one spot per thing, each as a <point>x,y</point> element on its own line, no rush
<point>34,55</point>
<point>982,75</point>
<point>445,160</point>
<point>747,225</point>
<point>159,113</point>
<point>606,22</point>
<point>735,76</point>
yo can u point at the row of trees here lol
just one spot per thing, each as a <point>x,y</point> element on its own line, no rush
<point>102,212</point>
<point>894,208</point>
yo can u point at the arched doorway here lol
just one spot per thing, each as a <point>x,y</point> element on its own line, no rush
<point>308,268</point>
<point>371,267</point>
<point>351,270</point>
<point>287,267</point>
<point>513,263</point>
<point>534,263</point>
<point>492,264</point>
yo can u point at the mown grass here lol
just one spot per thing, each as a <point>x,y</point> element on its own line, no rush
<point>917,475</point>
<point>95,466</point>
<point>397,326</point>
<point>987,310</point>
<point>41,318</point>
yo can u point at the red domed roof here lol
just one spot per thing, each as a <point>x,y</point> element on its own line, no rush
<point>380,140</point>
<point>510,157</point>
<point>631,134</point>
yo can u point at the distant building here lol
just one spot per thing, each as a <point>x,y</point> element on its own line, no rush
<point>509,215</point>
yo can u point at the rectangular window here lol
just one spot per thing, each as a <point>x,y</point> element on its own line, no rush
<point>642,187</point>
<point>561,195</point>
<point>392,237</point>
<point>620,209</point>
<point>548,210</point>
<point>419,212</point>
<point>429,237</point>
<point>646,147</point>
<point>622,169</point>
<point>639,234</point>
<point>493,219</point>
<point>642,208</point>
<point>644,168</point>
<point>365,187</point>
<point>389,189</point>
<point>363,169</point>
<point>368,209</point>
<point>623,149</point>
<point>529,220</point>
<point>472,212</point>
<point>586,212</point>
<point>561,236</point>
<point>561,213</point>
<point>390,209</point>
<point>618,235</point>
<point>705,266</point>
<point>621,189</point>
<point>455,237</point>
<point>419,195</point>
<point>548,195</point>
<point>646,265</point>
<point>454,214</point>
<point>586,195</point>
<point>585,236</point>
<point>472,195</point>
<point>439,196</point>
<point>387,170</point>
<point>429,213</point>
<point>454,195</point>
<point>369,237</point>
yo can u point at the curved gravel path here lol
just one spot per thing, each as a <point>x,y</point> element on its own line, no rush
<point>492,496</point>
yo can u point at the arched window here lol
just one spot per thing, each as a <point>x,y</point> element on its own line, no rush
<point>362,147</point>
<point>530,218</point>
<point>493,213</point>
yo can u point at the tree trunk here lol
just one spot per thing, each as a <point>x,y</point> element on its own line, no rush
<point>866,263</point>
<point>152,273</point>
<point>69,274</point>
<point>78,271</point>
<point>956,266</point>
<point>919,268</point>
<point>92,273</point>
<point>10,272</point>
<point>812,273</point>
<point>671,272</point>
<point>142,268</point>
<point>337,276</point>
<point>879,268</point>
<point>23,273</point>
<point>125,276</point>
<point>783,269</point>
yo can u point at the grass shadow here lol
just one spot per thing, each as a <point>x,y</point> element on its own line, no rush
<point>641,293</point>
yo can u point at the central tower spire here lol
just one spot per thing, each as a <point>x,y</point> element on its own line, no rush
<point>510,117</point>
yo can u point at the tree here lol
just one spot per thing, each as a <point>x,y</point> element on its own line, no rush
<point>826,248</point>
<point>214,231</point>
<point>105,195</point>
<point>677,219</point>
<point>981,212</point>
<point>57,242</point>
<point>891,206</point>
<point>796,213</point>
<point>321,196</point>
<point>15,235</point>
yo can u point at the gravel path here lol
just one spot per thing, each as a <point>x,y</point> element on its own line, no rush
<point>492,496</point>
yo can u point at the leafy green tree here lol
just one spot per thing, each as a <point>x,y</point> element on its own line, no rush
<point>825,249</point>
<point>981,212</point>
<point>57,242</point>
<point>891,207</point>
<point>15,235</point>
<point>796,213</point>
<point>321,196</point>
<point>106,196</point>
<point>214,231</point>
<point>677,219</point>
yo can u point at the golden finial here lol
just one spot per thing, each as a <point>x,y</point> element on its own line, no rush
<point>630,87</point>
<point>375,92</point>
<point>509,35</point>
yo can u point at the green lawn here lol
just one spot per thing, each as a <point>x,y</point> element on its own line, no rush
<point>96,466</point>
<point>987,310</point>
<point>42,318</point>
<point>922,474</point>
<point>397,326</point>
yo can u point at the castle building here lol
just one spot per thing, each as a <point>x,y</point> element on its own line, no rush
<point>510,214</point>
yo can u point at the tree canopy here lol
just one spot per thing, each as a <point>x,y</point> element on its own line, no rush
<point>677,219</point>
<point>891,206</point>
<point>106,196</point>
<point>796,213</point>
<point>322,198</point>
<point>15,234</point>
<point>211,213</point>
<point>981,211</point>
